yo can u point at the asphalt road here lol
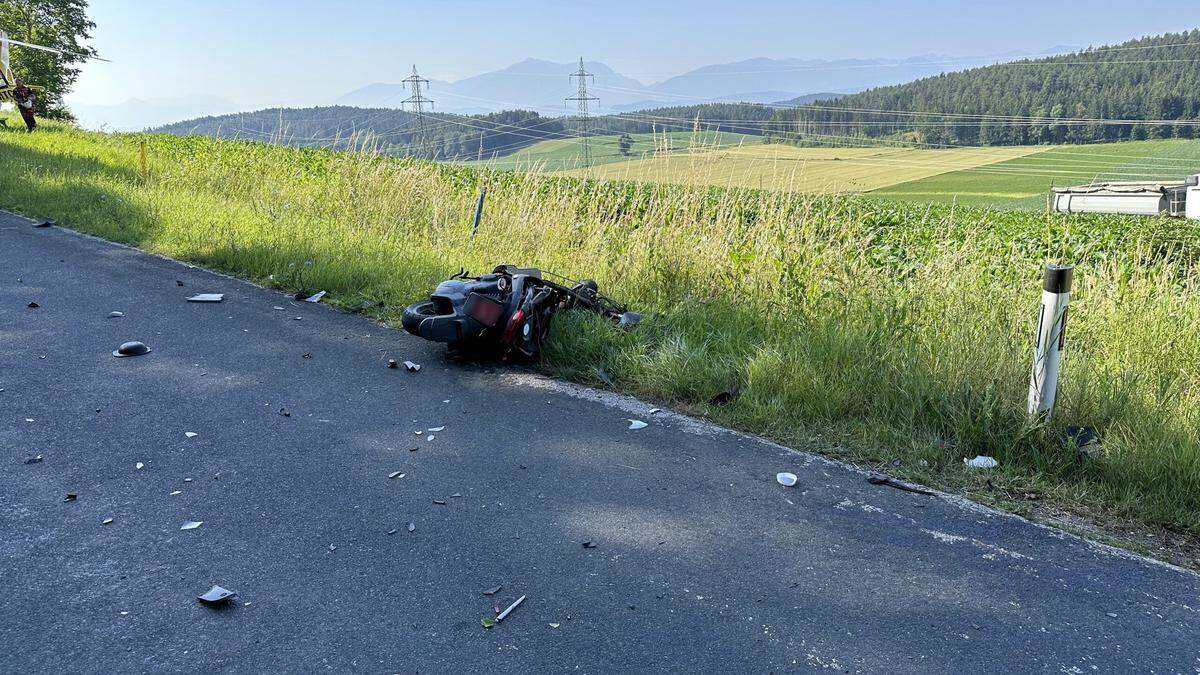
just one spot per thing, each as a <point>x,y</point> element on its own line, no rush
<point>702,562</point>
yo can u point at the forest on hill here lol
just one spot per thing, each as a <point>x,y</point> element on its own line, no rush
<point>1060,99</point>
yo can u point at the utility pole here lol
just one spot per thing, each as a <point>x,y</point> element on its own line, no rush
<point>582,99</point>
<point>415,104</point>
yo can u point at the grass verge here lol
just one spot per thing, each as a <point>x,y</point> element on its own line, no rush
<point>891,334</point>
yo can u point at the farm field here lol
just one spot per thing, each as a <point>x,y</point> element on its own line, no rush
<point>561,155</point>
<point>890,333</point>
<point>1023,182</point>
<point>797,169</point>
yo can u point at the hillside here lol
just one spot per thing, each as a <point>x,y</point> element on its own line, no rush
<point>1050,100</point>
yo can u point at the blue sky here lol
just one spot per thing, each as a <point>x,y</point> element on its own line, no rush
<point>305,52</point>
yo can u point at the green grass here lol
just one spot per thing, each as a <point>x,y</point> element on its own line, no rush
<point>564,154</point>
<point>1024,182</point>
<point>874,330</point>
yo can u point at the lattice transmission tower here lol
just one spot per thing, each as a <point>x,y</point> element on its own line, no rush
<point>416,104</point>
<point>582,99</point>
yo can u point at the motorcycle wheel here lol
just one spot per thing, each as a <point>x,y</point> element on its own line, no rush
<point>415,313</point>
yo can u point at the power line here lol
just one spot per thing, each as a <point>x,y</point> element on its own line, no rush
<point>582,98</point>
<point>416,105</point>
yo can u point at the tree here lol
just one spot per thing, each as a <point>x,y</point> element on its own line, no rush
<point>624,143</point>
<point>61,24</point>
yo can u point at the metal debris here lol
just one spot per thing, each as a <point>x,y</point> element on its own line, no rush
<point>132,348</point>
<point>216,595</point>
<point>981,462</point>
<point>636,424</point>
<point>315,297</point>
<point>506,612</point>
<point>207,297</point>
<point>786,478</point>
<point>493,591</point>
<point>191,524</point>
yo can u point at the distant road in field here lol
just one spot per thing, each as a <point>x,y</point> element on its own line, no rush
<point>668,548</point>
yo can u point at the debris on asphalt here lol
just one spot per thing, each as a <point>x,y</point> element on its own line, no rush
<point>981,462</point>
<point>216,595</point>
<point>106,521</point>
<point>71,496</point>
<point>116,315</point>
<point>492,591</point>
<point>190,434</point>
<point>555,625</point>
<point>207,297</point>
<point>637,424</point>
<point>47,223</point>
<point>139,465</point>
<point>440,502</point>
<point>487,621</point>
<point>178,282</point>
<point>177,492</point>
<point>880,479</point>
<point>284,412</point>
<point>429,437</point>
<point>392,363</point>
<point>589,544</point>
<point>436,429</point>
<point>655,411</point>
<point>191,524</point>
<point>33,305</point>
<point>412,527</point>
<point>277,308</point>
<point>34,460</point>
<point>392,531</point>
<point>412,367</point>
<point>786,479</point>
<point>315,297</point>
<point>506,612</point>
<point>455,495</point>
<point>306,355</point>
<point>131,348</point>
<point>395,474</point>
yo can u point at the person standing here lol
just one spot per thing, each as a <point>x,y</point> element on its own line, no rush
<point>23,95</point>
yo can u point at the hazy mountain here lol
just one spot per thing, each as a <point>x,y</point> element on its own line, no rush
<point>138,114</point>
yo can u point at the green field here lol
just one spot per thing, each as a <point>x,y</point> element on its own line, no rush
<point>893,334</point>
<point>1024,182</point>
<point>564,154</point>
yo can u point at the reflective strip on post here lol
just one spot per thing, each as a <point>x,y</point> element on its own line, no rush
<point>1051,336</point>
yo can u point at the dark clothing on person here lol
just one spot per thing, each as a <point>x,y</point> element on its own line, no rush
<point>23,95</point>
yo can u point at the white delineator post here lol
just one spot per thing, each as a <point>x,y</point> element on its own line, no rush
<point>1051,331</point>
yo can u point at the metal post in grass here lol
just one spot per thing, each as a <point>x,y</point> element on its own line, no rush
<point>1051,334</point>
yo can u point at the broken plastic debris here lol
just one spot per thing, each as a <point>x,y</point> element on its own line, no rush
<point>437,429</point>
<point>412,527</point>
<point>190,434</point>
<point>315,297</point>
<point>177,492</point>
<point>277,308</point>
<point>34,460</point>
<point>71,496</point>
<point>506,612</point>
<point>981,462</point>
<point>429,437</point>
<point>138,465</point>
<point>395,474</point>
<point>392,363</point>
<point>655,411</point>
<point>47,223</point>
<point>116,315</point>
<point>191,524</point>
<point>132,348</point>
<point>333,547</point>
<point>589,544</point>
<point>412,367</point>
<point>440,502</point>
<point>555,625</point>
<point>392,531</point>
<point>636,424</point>
<point>786,478</point>
<point>106,521</point>
<point>487,621</point>
<point>216,595</point>
<point>492,591</point>
<point>33,305</point>
<point>207,297</point>
<point>629,320</point>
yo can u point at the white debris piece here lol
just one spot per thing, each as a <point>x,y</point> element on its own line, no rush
<point>207,297</point>
<point>981,462</point>
<point>138,465</point>
<point>636,424</point>
<point>437,429</point>
<point>315,297</point>
<point>786,478</point>
<point>190,434</point>
<point>191,524</point>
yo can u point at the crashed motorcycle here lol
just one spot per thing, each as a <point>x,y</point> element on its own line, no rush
<point>509,310</point>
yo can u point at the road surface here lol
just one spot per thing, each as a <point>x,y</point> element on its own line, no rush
<point>701,561</point>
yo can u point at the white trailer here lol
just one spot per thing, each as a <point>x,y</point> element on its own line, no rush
<point>1130,198</point>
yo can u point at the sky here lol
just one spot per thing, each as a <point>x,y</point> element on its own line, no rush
<point>309,52</point>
